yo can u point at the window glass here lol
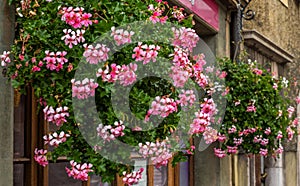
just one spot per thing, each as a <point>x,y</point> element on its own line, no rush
<point>161,176</point>
<point>184,173</point>
<point>18,174</point>
<point>19,129</point>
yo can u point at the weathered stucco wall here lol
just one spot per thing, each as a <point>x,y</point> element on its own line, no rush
<point>6,100</point>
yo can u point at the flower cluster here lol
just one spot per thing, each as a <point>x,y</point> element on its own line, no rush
<point>57,116</point>
<point>157,13</point>
<point>75,17</point>
<point>178,13</point>
<point>162,106</point>
<point>219,152</point>
<point>79,171</point>
<point>125,73</point>
<point>40,157</point>
<point>4,58</point>
<point>55,139</point>
<point>121,36</point>
<point>186,98</point>
<point>245,109</point>
<point>108,75</point>
<point>133,177</point>
<point>179,76</point>
<point>107,132</point>
<point>181,57</point>
<point>158,152</point>
<point>83,89</point>
<point>204,118</point>
<point>73,38</point>
<point>210,135</point>
<point>96,54</point>
<point>55,61</point>
<point>185,38</point>
<point>145,53</point>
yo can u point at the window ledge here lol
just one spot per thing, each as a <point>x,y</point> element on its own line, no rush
<point>254,39</point>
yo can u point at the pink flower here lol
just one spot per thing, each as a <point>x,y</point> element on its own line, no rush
<point>290,110</point>
<point>96,54</point>
<point>40,157</point>
<point>107,75</point>
<point>79,171</point>
<point>57,116</point>
<point>33,60</point>
<point>83,89</point>
<point>127,75</point>
<point>35,69</point>
<point>263,152</point>
<point>21,57</point>
<point>178,14</point>
<point>251,108</point>
<point>264,142</point>
<point>268,131</point>
<point>55,61</point>
<point>159,152</point>
<point>279,135</point>
<point>226,91</point>
<point>223,75</point>
<point>219,153</point>
<point>238,102</point>
<point>232,129</point>
<point>200,123</point>
<point>55,139</point>
<point>181,58</point>
<point>163,19</point>
<point>132,178</point>
<point>232,150</point>
<point>210,135</point>
<point>187,98</point>
<point>279,150</point>
<point>257,71</point>
<point>179,76</point>
<point>290,133</point>
<point>76,18</point>
<point>257,139</point>
<point>185,38</point>
<point>70,67</point>
<point>162,106</point>
<point>108,133</point>
<point>221,137</point>
<point>275,86</point>
<point>155,17</point>
<point>295,122</point>
<point>145,53</point>
<point>121,36</point>
<point>298,100</point>
<point>4,58</point>
<point>238,141</point>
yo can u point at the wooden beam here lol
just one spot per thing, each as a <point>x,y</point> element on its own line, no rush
<point>150,175</point>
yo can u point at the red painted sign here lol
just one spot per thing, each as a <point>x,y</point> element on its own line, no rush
<point>208,10</point>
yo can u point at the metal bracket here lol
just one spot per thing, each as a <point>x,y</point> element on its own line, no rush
<point>249,14</point>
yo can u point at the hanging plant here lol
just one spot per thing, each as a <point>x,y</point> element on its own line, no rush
<point>258,116</point>
<point>122,77</point>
